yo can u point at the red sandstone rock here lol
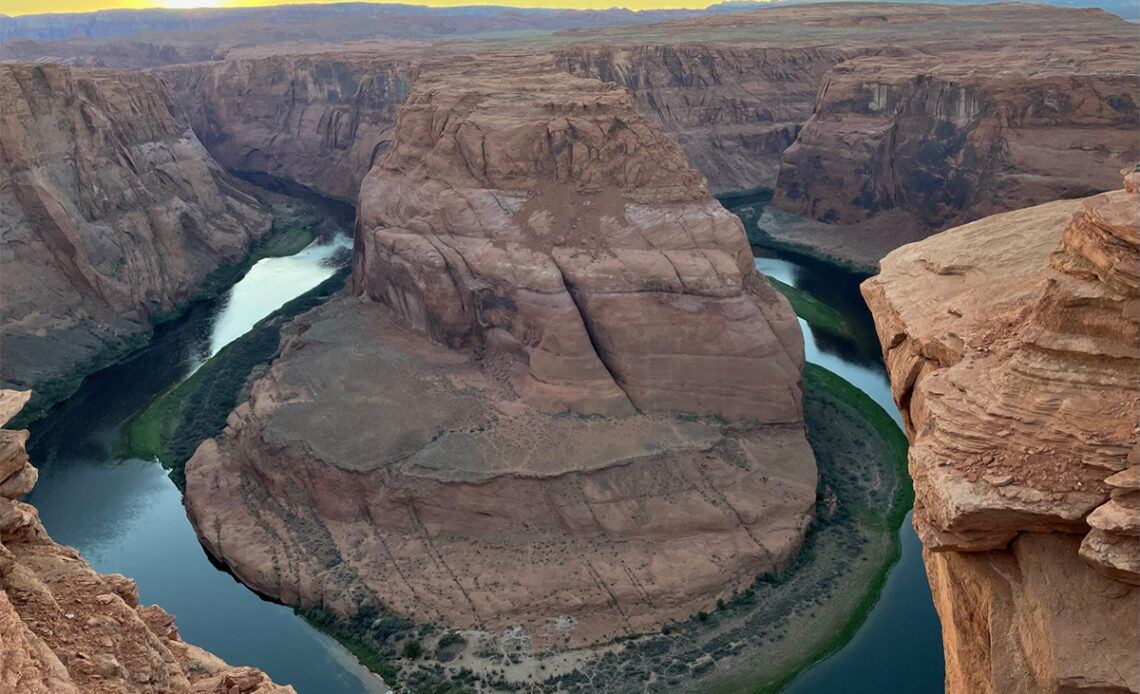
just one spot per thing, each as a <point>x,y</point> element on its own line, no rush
<point>541,218</point>
<point>113,211</point>
<point>1012,347</point>
<point>65,629</point>
<point>539,223</point>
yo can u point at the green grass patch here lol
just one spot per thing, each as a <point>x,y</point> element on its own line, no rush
<point>817,314</point>
<point>174,424</point>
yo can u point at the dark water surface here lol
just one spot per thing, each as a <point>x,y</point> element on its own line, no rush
<point>898,649</point>
<point>125,516</point>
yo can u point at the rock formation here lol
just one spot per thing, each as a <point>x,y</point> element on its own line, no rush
<point>537,222</point>
<point>65,629</point>
<point>319,120</point>
<point>953,136</point>
<point>112,212</point>
<point>905,118</point>
<point>1012,348</point>
<point>545,221</point>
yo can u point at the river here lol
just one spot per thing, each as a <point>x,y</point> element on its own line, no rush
<point>898,650</point>
<point>126,516</point>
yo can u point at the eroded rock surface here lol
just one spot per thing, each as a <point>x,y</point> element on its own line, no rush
<point>539,217</point>
<point>947,137</point>
<point>884,121</point>
<point>65,629</point>
<point>570,406</point>
<point>1012,348</point>
<point>112,211</point>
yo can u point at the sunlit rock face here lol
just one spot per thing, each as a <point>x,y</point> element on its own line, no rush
<point>1012,347</point>
<point>112,211</point>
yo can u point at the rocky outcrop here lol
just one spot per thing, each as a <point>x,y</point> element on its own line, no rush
<point>948,137</point>
<point>550,283</point>
<point>1012,347</point>
<point>112,212</point>
<point>541,218</point>
<point>66,629</point>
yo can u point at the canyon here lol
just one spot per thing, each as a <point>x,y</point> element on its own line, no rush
<point>113,212</point>
<point>66,629</point>
<point>882,123</point>
<point>559,359</point>
<point>556,406</point>
<point>1012,346</point>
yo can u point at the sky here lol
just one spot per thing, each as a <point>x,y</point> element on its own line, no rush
<point>15,7</point>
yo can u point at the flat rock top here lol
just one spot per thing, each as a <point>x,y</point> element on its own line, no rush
<point>1012,346</point>
<point>360,392</point>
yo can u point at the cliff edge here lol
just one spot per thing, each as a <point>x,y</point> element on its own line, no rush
<point>1011,345</point>
<point>68,630</point>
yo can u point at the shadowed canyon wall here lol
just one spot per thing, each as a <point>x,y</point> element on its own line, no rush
<point>1011,344</point>
<point>927,114</point>
<point>113,211</point>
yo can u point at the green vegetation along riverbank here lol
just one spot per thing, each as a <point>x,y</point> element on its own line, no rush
<point>817,314</point>
<point>294,227</point>
<point>172,426</point>
<point>754,641</point>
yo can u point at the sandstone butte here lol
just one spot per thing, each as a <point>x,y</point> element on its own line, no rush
<point>561,397</point>
<point>885,121</point>
<point>113,211</point>
<point>1011,344</point>
<point>65,629</point>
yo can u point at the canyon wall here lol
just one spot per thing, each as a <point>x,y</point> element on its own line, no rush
<point>884,121</point>
<point>65,629</point>
<point>1012,343</point>
<point>733,110</point>
<point>561,361</point>
<point>111,211</point>
<point>951,137</point>
<point>320,120</point>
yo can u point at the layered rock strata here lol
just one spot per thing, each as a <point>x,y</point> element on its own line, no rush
<point>112,211</point>
<point>549,285</point>
<point>1012,348</point>
<point>65,629</point>
<point>542,219</point>
<point>319,120</point>
<point>912,117</point>
<point>946,138</point>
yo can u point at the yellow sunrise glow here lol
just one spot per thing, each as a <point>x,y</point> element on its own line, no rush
<point>17,7</point>
<point>190,4</point>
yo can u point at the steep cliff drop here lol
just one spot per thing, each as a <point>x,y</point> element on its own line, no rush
<point>65,629</point>
<point>567,406</point>
<point>1012,345</point>
<point>112,212</point>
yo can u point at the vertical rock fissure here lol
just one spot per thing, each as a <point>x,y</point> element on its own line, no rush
<point>594,343</point>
